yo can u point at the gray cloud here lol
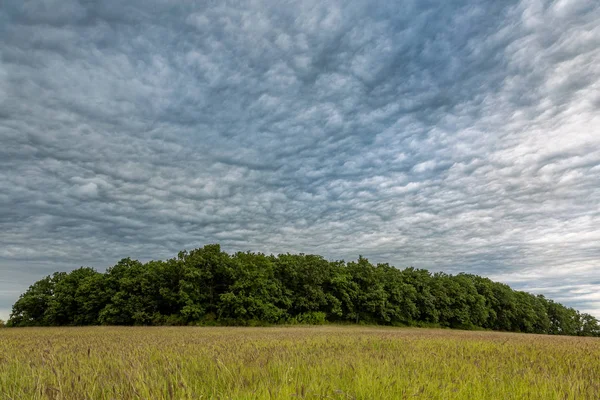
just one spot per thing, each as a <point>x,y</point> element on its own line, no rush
<point>460,136</point>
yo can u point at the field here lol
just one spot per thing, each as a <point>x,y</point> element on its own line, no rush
<point>294,363</point>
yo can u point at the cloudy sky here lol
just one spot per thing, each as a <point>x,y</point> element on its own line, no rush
<point>454,135</point>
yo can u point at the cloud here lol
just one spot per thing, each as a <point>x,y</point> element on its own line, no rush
<point>459,136</point>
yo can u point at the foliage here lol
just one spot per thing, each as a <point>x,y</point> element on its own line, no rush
<point>207,286</point>
<point>309,318</point>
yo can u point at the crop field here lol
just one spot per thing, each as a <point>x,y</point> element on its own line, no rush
<point>330,362</point>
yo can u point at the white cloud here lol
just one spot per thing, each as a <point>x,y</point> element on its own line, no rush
<point>87,191</point>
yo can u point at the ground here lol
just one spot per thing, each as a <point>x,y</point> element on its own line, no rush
<point>332,362</point>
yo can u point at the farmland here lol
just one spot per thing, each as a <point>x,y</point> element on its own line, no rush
<point>335,362</point>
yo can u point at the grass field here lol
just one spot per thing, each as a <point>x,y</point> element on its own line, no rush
<point>294,362</point>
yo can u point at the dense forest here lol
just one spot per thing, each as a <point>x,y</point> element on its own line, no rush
<point>207,286</point>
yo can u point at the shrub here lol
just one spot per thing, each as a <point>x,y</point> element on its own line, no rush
<point>311,318</point>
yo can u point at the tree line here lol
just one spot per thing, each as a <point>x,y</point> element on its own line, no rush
<point>207,286</point>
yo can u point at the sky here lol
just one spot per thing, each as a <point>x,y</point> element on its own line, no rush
<point>456,136</point>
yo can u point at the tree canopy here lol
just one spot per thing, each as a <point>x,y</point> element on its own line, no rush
<point>208,286</point>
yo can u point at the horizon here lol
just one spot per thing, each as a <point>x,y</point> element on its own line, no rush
<point>459,137</point>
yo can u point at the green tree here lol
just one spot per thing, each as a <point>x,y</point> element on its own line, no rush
<point>401,304</point>
<point>32,306</point>
<point>207,285</point>
<point>589,325</point>
<point>65,306</point>
<point>307,284</point>
<point>369,297</point>
<point>206,274</point>
<point>255,296</point>
<point>126,284</point>
<point>425,301</point>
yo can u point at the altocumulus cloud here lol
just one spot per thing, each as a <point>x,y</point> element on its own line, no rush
<point>455,136</point>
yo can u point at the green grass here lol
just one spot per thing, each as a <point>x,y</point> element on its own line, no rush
<point>331,362</point>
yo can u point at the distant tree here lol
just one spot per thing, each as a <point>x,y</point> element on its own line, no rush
<point>33,306</point>
<point>305,280</point>
<point>206,274</point>
<point>70,301</point>
<point>2,323</point>
<point>133,294</point>
<point>254,294</point>
<point>425,301</point>
<point>207,285</point>
<point>368,294</point>
<point>588,326</point>
<point>401,305</point>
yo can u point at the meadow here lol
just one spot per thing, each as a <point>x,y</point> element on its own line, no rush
<point>328,362</point>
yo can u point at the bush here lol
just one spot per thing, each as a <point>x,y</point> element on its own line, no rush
<point>209,319</point>
<point>310,318</point>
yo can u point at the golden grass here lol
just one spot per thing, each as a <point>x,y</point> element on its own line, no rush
<point>329,362</point>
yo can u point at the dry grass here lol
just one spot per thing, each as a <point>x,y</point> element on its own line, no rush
<point>294,362</point>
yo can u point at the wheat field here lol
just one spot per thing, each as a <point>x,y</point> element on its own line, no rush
<point>330,362</point>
